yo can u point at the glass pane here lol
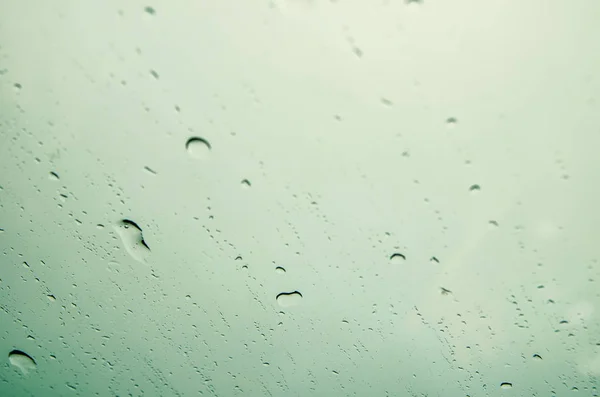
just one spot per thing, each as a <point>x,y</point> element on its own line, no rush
<point>299,198</point>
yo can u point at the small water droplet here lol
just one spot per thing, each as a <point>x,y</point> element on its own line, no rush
<point>445,291</point>
<point>53,176</point>
<point>451,122</point>
<point>279,270</point>
<point>474,188</point>
<point>386,102</point>
<point>288,299</point>
<point>23,361</point>
<point>493,223</point>
<point>397,258</point>
<point>18,87</point>
<point>434,260</point>
<point>197,147</point>
<point>506,385</point>
<point>537,357</point>
<point>245,267</point>
<point>26,265</point>
<point>154,74</point>
<point>150,10</point>
<point>246,183</point>
<point>51,298</point>
<point>357,51</point>
<point>150,170</point>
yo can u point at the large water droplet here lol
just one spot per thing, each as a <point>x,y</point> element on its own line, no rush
<point>197,147</point>
<point>506,385</point>
<point>287,299</point>
<point>22,361</point>
<point>133,240</point>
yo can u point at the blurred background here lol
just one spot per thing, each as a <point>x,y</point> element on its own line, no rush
<point>299,198</point>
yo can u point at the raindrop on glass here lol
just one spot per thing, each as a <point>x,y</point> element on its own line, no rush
<point>133,240</point>
<point>288,299</point>
<point>246,183</point>
<point>197,147</point>
<point>474,188</point>
<point>279,270</point>
<point>23,361</point>
<point>150,10</point>
<point>53,176</point>
<point>537,357</point>
<point>451,122</point>
<point>506,385</point>
<point>397,258</point>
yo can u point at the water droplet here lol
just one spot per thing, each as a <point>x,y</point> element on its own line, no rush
<point>51,298</point>
<point>53,176</point>
<point>537,357</point>
<point>397,258</point>
<point>506,385</point>
<point>150,170</point>
<point>386,102</point>
<point>474,188</point>
<point>18,87</point>
<point>445,291</point>
<point>434,260</point>
<point>493,223</point>
<point>22,361</point>
<point>197,147</point>
<point>154,74</point>
<point>288,299</point>
<point>451,122</point>
<point>246,183</point>
<point>150,10</point>
<point>133,240</point>
<point>279,270</point>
